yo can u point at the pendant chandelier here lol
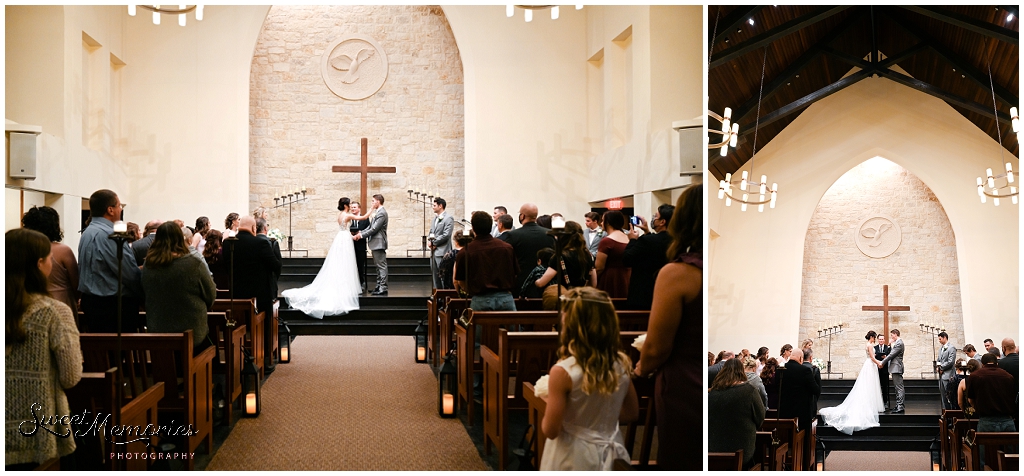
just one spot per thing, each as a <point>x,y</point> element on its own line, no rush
<point>169,10</point>
<point>510,10</point>
<point>753,193</point>
<point>730,131</point>
<point>999,186</point>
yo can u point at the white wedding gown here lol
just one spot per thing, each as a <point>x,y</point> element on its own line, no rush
<point>336,289</point>
<point>860,409</point>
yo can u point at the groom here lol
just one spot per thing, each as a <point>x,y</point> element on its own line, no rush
<point>376,236</point>
<point>895,362</point>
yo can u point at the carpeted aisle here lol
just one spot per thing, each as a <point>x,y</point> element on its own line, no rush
<point>349,403</point>
<point>884,461</point>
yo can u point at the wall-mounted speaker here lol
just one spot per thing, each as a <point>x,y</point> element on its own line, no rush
<point>21,150</point>
<point>691,146</point>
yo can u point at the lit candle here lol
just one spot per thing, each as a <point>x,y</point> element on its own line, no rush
<point>284,353</point>
<point>250,403</point>
<point>120,227</point>
<point>448,403</point>
<point>421,353</point>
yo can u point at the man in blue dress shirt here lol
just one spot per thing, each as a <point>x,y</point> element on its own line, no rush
<point>97,266</point>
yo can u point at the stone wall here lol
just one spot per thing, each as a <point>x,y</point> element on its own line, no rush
<point>839,278</point>
<point>299,128</point>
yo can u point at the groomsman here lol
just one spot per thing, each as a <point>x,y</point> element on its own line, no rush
<point>440,238</point>
<point>881,352</point>
<point>944,366</point>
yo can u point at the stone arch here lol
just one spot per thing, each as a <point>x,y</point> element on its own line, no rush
<point>838,278</point>
<point>299,128</point>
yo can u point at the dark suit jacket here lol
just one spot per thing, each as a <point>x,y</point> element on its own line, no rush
<point>255,264</point>
<point>645,255</point>
<point>797,393</point>
<point>881,352</point>
<point>1011,364</point>
<point>276,246</point>
<point>526,241</point>
<point>713,372</point>
<point>359,246</point>
<point>503,236</point>
<point>141,247</point>
<point>817,381</point>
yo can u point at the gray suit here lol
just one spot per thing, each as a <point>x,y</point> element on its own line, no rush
<point>441,229</point>
<point>895,362</point>
<point>586,238</point>
<point>376,236</point>
<point>947,356</point>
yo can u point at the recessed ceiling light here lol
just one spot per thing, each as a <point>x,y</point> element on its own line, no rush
<point>739,30</point>
<point>751,20</point>
<point>798,75</point>
<point>1009,17</point>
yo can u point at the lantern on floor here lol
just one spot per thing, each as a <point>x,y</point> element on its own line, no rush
<point>251,386</point>
<point>421,343</point>
<point>447,389</point>
<point>284,342</point>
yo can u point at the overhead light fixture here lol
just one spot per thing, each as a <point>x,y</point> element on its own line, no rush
<point>751,21</point>
<point>999,186</point>
<point>529,16</point>
<point>510,10</point>
<point>730,131</point>
<point>158,11</point>
<point>579,7</point>
<point>554,13</point>
<point>1009,17</point>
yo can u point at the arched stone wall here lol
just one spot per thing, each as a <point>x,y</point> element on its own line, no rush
<point>299,128</point>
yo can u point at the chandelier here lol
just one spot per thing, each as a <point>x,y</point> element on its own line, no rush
<point>510,10</point>
<point>729,136</point>
<point>166,10</point>
<point>747,187</point>
<point>999,186</point>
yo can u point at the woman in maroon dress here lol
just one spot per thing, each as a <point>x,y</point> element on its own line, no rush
<point>675,339</point>
<point>612,273</point>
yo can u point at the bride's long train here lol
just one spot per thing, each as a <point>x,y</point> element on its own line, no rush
<point>860,409</point>
<point>335,290</point>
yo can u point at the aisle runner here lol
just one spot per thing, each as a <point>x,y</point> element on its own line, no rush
<point>349,403</point>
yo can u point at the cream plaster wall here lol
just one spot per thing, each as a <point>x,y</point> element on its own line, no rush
<point>754,286</point>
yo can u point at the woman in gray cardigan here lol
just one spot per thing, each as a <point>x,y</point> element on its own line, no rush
<point>750,369</point>
<point>178,287</point>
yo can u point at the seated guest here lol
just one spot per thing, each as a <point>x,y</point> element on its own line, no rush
<point>504,226</point>
<point>231,225</point>
<point>141,247</point>
<point>529,289</point>
<point>63,282</point>
<point>612,273</point>
<point>750,370</point>
<point>202,228</point>
<point>213,254</point>
<point>578,267</point>
<point>179,290</point>
<point>735,413</point>
<point>770,379</point>
<point>43,353</point>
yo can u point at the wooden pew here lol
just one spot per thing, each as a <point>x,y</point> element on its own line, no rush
<point>645,397</point>
<point>725,461</point>
<point>148,359</point>
<point>536,352</point>
<point>490,321</point>
<point>946,445</point>
<point>959,431</point>
<point>769,451</point>
<point>1009,462</point>
<point>437,338</point>
<point>992,441</point>
<point>243,311</point>
<point>790,433</point>
<point>96,393</point>
<point>229,339</point>
<point>272,329</point>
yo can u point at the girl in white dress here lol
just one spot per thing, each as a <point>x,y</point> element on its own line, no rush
<point>861,407</point>
<point>335,290</point>
<point>589,390</point>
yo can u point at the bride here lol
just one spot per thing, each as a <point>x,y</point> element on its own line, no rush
<point>861,408</point>
<point>336,288</point>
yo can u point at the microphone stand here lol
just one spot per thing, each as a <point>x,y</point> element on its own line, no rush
<point>119,237</point>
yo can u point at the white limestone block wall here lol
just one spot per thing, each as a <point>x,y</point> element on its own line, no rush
<point>299,128</point>
<point>838,278</point>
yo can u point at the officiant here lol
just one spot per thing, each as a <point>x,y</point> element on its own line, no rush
<point>881,352</point>
<point>359,245</point>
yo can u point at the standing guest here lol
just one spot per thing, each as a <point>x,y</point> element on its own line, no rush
<point>735,414</point>
<point>590,392</point>
<point>797,392</point>
<point>440,238</point>
<point>261,212</point>
<point>881,352</point>
<point>762,358</point>
<point>213,253</point>
<point>612,273</point>
<point>972,366</point>
<point>133,232</point>
<point>592,233</point>
<point>675,335</point>
<point>179,289</point>
<point>98,271</point>
<point>141,247</point>
<point>711,359</point>
<point>972,352</point>
<point>806,344</point>
<point>447,268</point>
<point>255,266</point>
<point>808,354</point>
<point>770,378</point>
<point>785,353</point>
<point>944,367</point>
<point>261,232</point>
<point>1010,361</point>
<point>744,354</point>
<point>723,356</point>
<point>199,239</point>
<point>989,345</point>
<point>43,354</point>
<point>749,369</point>
<point>499,211</point>
<point>645,255</point>
<point>359,246</point>
<point>527,240</point>
<point>63,281</point>
<point>992,392</point>
<point>571,270</point>
<point>544,221</point>
<point>504,226</point>
<point>485,268</point>
<point>231,225</point>
<point>529,289</point>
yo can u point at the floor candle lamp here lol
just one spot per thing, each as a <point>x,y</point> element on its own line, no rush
<point>120,236</point>
<point>447,388</point>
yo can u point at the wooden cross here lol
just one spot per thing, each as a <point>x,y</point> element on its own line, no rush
<point>363,170</point>
<point>885,308</point>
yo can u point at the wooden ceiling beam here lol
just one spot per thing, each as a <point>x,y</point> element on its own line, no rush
<point>966,22</point>
<point>774,34</point>
<point>734,19</point>
<point>809,99</point>
<point>890,61</point>
<point>943,95</point>
<point>853,60</point>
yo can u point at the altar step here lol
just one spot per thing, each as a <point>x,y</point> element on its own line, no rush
<point>299,272</point>
<point>907,432</point>
<point>915,390</point>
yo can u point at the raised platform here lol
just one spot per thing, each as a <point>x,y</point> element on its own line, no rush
<point>915,430</point>
<point>398,313</point>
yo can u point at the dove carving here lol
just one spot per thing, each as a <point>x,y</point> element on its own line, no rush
<point>875,234</point>
<point>351,64</point>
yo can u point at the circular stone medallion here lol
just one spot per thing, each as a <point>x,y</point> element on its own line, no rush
<point>878,236</point>
<point>354,67</point>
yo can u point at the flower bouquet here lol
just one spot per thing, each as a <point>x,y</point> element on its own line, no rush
<point>820,364</point>
<point>639,342</point>
<point>540,389</point>
<point>275,235</point>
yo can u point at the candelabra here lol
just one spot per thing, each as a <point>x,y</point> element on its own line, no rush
<point>829,331</point>
<point>934,330</point>
<point>426,199</point>
<point>289,199</point>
